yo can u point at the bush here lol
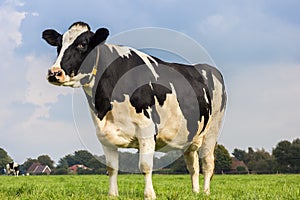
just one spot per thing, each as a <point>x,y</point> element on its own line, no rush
<point>60,171</point>
<point>240,169</point>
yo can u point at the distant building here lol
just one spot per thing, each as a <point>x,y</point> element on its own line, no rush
<point>74,168</point>
<point>238,165</point>
<point>37,168</point>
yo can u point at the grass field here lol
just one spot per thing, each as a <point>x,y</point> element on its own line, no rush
<point>166,186</point>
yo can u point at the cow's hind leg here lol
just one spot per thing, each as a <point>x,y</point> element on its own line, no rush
<point>207,150</point>
<point>192,163</point>
<point>112,165</point>
<point>208,165</point>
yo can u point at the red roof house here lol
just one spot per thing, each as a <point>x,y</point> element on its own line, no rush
<point>236,164</point>
<point>75,167</point>
<point>37,168</point>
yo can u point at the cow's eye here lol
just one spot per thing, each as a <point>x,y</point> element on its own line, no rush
<point>82,46</point>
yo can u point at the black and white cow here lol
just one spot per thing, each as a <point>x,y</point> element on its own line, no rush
<point>12,167</point>
<point>139,101</point>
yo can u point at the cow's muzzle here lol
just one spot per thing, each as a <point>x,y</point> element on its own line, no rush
<point>56,76</point>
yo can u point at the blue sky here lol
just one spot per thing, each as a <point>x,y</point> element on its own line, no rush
<point>255,44</point>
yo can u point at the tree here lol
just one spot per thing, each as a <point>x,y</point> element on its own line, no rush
<point>69,159</point>
<point>261,161</point>
<point>46,160</point>
<point>287,156</point>
<point>62,163</point>
<point>295,155</point>
<point>222,159</point>
<point>96,165</point>
<point>82,157</point>
<point>282,155</point>
<point>4,159</point>
<point>241,155</point>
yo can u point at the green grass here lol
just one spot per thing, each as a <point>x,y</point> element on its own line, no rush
<point>166,186</point>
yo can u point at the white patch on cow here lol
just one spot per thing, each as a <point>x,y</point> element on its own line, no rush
<point>205,95</point>
<point>151,86</point>
<point>68,38</point>
<point>118,127</point>
<point>204,73</point>
<point>122,51</point>
<point>172,129</point>
<point>173,89</point>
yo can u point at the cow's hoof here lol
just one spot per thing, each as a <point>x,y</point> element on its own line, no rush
<point>207,192</point>
<point>113,194</point>
<point>196,191</point>
<point>150,196</point>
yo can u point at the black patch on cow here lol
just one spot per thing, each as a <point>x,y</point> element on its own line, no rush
<point>11,165</point>
<point>144,97</point>
<point>16,168</point>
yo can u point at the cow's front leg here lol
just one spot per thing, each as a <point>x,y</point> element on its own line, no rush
<point>146,152</point>
<point>112,166</point>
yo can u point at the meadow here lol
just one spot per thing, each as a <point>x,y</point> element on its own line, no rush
<point>173,187</point>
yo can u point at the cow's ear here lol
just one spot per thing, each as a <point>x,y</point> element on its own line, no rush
<point>52,37</point>
<point>100,36</point>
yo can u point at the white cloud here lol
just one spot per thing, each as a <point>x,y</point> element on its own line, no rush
<point>25,121</point>
<point>10,21</point>
<point>39,92</point>
<point>218,23</point>
<point>35,14</point>
<point>10,39</point>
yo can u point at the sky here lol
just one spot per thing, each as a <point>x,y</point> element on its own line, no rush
<point>255,44</point>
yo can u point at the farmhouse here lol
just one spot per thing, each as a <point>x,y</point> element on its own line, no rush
<point>74,168</point>
<point>37,168</point>
<point>238,166</point>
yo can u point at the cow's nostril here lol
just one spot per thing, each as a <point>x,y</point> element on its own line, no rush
<point>50,73</point>
<point>59,73</point>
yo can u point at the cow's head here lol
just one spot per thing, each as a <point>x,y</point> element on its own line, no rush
<point>72,48</point>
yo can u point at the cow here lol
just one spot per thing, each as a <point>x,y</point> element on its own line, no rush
<point>138,101</point>
<point>12,167</point>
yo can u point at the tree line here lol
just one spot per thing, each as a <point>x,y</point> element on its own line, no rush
<point>284,158</point>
